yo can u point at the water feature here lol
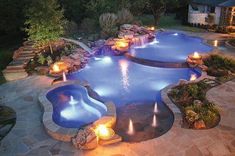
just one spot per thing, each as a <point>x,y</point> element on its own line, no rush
<point>155,109</point>
<point>131,130</point>
<point>154,123</point>
<point>72,101</point>
<point>64,77</point>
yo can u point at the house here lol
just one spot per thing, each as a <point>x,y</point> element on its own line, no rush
<point>212,12</point>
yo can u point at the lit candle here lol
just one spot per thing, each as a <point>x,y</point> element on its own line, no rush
<point>104,132</point>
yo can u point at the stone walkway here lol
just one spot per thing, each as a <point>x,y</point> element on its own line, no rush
<point>28,137</point>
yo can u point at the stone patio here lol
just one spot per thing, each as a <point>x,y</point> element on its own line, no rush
<point>28,137</point>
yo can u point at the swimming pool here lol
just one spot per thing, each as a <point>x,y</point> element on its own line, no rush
<point>119,80</point>
<point>73,107</point>
<point>134,88</point>
<point>170,47</point>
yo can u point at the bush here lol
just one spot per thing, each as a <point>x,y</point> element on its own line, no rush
<point>219,66</point>
<point>71,28</point>
<point>88,25</point>
<point>108,24</point>
<point>124,17</point>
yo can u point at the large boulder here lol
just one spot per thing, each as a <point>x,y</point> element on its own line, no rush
<point>86,139</point>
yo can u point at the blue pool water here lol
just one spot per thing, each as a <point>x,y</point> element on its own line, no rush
<point>76,113</point>
<point>122,81</point>
<point>170,47</point>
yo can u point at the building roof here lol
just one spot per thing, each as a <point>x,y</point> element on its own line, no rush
<point>210,2</point>
<point>228,3</point>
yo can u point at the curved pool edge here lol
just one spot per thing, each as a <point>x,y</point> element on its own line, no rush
<point>66,134</point>
<point>155,63</point>
<point>168,102</point>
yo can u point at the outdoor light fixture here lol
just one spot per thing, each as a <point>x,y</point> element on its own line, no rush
<point>103,132</point>
<point>196,55</point>
<point>122,45</point>
<point>151,28</point>
<point>58,68</point>
<point>216,43</point>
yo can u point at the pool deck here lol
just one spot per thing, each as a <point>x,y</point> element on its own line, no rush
<point>28,137</point>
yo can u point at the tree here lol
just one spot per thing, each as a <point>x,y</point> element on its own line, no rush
<point>97,7</point>
<point>12,16</point>
<point>45,22</point>
<point>158,7</point>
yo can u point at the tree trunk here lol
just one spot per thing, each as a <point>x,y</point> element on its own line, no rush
<point>156,19</point>
<point>51,49</point>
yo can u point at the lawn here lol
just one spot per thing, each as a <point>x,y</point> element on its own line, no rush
<point>168,22</point>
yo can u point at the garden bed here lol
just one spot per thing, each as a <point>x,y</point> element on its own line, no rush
<point>221,67</point>
<point>197,111</point>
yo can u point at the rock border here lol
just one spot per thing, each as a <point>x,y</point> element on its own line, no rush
<point>66,134</point>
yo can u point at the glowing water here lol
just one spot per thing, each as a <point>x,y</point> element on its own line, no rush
<point>131,129</point>
<point>72,101</point>
<point>140,40</point>
<point>155,110</point>
<point>64,77</point>
<point>154,123</point>
<point>124,70</point>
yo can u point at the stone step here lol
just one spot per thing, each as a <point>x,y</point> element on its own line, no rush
<point>17,63</point>
<point>27,52</point>
<point>26,55</point>
<point>28,43</point>
<point>11,76</point>
<point>13,70</point>
<point>24,58</point>
<point>29,49</point>
<point>15,67</point>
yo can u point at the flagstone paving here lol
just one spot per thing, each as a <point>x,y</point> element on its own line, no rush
<point>28,137</point>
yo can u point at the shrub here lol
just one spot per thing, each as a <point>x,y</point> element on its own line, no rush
<point>71,28</point>
<point>219,66</point>
<point>108,25</point>
<point>124,17</point>
<point>41,59</point>
<point>88,25</point>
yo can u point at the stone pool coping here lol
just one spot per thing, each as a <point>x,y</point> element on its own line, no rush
<point>66,134</point>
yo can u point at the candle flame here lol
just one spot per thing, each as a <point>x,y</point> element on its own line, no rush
<point>131,130</point>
